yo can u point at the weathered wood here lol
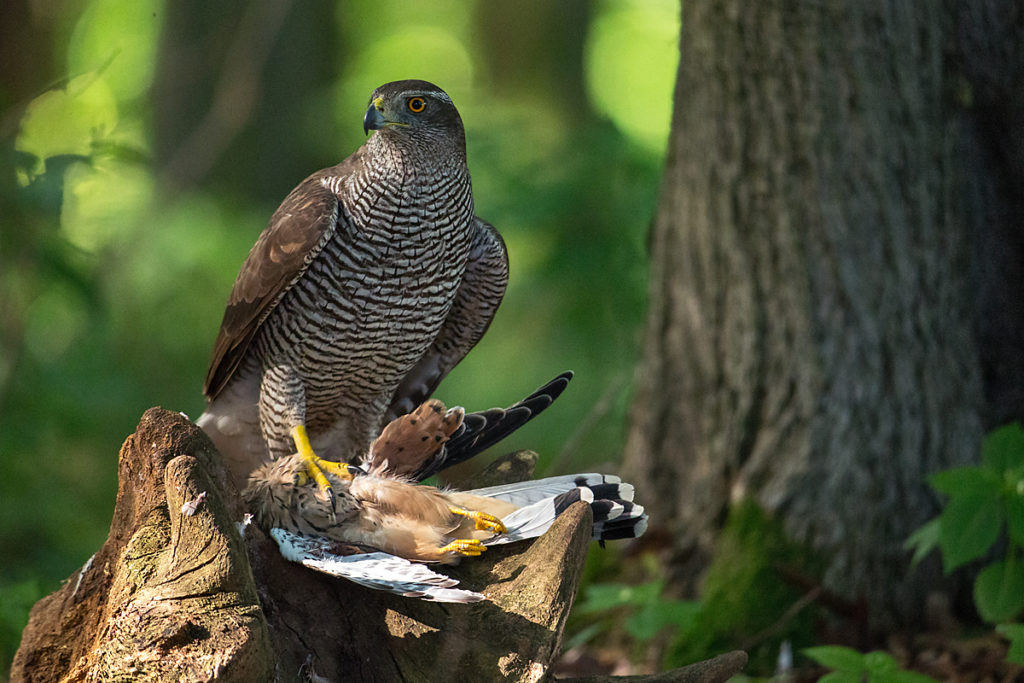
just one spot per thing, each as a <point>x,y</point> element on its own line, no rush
<point>169,594</point>
<point>179,592</point>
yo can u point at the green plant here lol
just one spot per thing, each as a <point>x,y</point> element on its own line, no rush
<point>851,666</point>
<point>986,506</point>
<point>649,610</point>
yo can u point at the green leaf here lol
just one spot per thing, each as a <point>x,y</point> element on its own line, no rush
<point>999,591</point>
<point>1003,448</point>
<point>841,677</point>
<point>1013,507</point>
<point>1015,632</point>
<point>68,121</point>
<point>605,596</point>
<point>879,662</point>
<point>970,525</point>
<point>924,540</point>
<point>904,677</point>
<point>851,666</point>
<point>652,618</point>
<point>967,481</point>
<point>837,657</point>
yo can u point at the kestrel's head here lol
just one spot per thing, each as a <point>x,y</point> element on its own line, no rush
<point>412,107</point>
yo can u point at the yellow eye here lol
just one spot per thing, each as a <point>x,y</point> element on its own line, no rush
<point>417,104</point>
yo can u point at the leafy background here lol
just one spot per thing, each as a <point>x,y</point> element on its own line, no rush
<point>114,270</point>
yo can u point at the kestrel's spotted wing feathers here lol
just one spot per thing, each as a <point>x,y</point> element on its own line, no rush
<point>481,430</point>
<point>421,443</point>
<point>408,441</point>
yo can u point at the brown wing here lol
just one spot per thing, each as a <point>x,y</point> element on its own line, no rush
<point>297,232</point>
<point>476,302</point>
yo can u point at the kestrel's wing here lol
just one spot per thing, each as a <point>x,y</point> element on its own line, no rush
<point>377,570</point>
<point>481,430</point>
<point>429,439</point>
<point>297,232</point>
<point>483,286</point>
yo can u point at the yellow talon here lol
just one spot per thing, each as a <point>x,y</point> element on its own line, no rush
<point>470,547</point>
<point>484,521</point>
<point>314,463</point>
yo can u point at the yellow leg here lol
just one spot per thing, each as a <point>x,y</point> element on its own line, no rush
<point>315,465</point>
<point>484,521</point>
<point>470,547</point>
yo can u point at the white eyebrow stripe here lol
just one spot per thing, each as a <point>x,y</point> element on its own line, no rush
<point>428,93</point>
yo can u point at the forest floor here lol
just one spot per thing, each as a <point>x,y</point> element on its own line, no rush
<point>944,657</point>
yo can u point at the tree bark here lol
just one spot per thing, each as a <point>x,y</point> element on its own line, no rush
<point>811,341</point>
<point>181,591</point>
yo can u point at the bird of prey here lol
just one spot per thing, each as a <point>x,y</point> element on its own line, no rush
<point>372,281</point>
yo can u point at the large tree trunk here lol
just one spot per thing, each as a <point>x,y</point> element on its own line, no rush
<point>810,343</point>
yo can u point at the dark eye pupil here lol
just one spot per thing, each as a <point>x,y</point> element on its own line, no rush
<point>417,104</point>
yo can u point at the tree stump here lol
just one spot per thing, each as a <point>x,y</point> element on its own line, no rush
<point>182,591</point>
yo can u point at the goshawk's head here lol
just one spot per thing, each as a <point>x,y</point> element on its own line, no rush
<point>414,107</point>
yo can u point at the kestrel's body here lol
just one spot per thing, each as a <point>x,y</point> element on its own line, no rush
<point>373,279</point>
<point>378,510</point>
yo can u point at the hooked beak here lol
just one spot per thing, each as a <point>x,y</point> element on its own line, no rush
<point>374,120</point>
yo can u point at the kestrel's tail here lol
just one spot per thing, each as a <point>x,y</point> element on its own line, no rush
<point>616,516</point>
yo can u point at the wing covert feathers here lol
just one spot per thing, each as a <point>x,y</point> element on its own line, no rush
<point>297,232</point>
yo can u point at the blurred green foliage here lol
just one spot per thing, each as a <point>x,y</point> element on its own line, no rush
<point>646,610</point>
<point>850,666</point>
<point>134,180</point>
<point>751,598</point>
